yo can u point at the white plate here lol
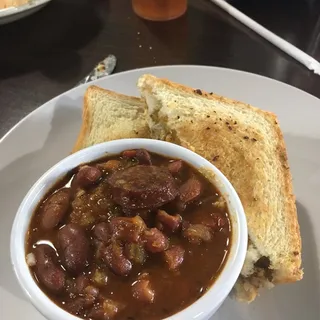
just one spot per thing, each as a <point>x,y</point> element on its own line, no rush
<point>16,13</point>
<point>48,134</point>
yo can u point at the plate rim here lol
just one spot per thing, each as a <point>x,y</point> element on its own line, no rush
<point>191,66</point>
<point>54,102</point>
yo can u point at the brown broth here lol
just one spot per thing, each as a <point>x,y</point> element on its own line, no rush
<point>174,290</point>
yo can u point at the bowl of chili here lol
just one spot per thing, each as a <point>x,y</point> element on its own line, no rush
<point>129,229</point>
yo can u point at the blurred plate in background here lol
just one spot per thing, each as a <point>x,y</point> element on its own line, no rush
<point>16,13</point>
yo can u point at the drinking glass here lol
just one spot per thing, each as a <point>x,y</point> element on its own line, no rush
<point>159,10</point>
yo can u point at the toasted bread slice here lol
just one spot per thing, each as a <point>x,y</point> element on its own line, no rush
<point>108,115</point>
<point>247,145</point>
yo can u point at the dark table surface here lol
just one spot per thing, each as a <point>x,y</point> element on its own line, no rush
<point>49,52</point>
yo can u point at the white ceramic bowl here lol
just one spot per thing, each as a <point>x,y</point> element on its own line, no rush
<point>204,307</point>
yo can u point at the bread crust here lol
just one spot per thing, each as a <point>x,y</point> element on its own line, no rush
<point>135,127</point>
<point>85,123</point>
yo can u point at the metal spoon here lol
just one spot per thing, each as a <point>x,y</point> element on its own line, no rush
<point>102,69</point>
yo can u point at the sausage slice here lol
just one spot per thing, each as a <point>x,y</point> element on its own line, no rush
<point>142,187</point>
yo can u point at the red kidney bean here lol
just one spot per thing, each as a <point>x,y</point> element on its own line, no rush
<point>48,272</point>
<point>142,291</point>
<point>55,208</point>
<point>179,205</point>
<point>101,231</point>
<point>155,240</point>
<point>143,157</point>
<point>86,176</point>
<point>174,257</point>
<point>76,286</point>
<point>129,153</point>
<point>115,259</point>
<point>175,206</point>
<point>75,306</point>
<point>81,283</point>
<point>190,190</point>
<point>175,166</point>
<point>73,247</point>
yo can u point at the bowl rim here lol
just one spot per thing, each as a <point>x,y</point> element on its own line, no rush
<point>201,308</point>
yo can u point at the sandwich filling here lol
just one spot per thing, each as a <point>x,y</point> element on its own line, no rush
<point>256,264</point>
<point>256,267</point>
<point>256,274</point>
